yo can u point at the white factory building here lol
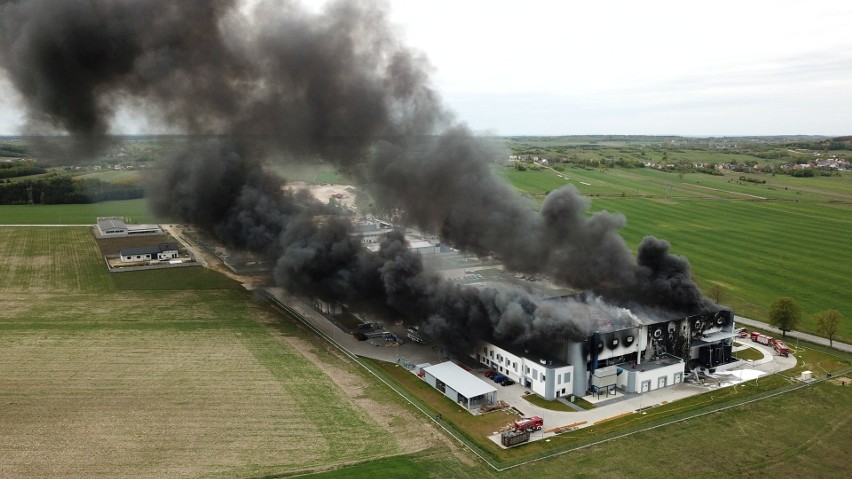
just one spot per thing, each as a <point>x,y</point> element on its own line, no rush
<point>113,226</point>
<point>372,232</point>
<point>635,359</point>
<point>544,377</point>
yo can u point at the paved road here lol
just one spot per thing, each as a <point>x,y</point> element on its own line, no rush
<point>793,334</point>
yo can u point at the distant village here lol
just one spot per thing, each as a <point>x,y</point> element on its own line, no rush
<point>828,164</point>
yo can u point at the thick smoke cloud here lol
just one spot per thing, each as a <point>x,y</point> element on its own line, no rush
<point>340,86</point>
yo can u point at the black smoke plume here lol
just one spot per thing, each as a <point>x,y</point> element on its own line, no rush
<point>336,85</point>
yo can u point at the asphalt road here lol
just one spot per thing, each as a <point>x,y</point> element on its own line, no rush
<point>793,334</point>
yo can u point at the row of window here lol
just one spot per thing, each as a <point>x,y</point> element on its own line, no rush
<point>535,373</point>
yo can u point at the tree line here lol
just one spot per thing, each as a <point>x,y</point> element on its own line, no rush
<point>63,189</point>
<point>14,170</point>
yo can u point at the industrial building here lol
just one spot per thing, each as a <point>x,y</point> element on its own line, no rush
<point>114,227</point>
<point>643,357</point>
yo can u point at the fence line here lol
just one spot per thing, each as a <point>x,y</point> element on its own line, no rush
<point>481,454</point>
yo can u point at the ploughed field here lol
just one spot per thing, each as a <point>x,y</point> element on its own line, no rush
<point>100,378</point>
<point>757,241</point>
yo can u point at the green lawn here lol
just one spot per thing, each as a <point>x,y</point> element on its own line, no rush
<point>136,211</point>
<point>800,434</point>
<point>756,249</point>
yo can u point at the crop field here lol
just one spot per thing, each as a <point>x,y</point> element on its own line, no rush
<point>757,241</point>
<point>120,177</point>
<point>136,211</point>
<point>101,378</point>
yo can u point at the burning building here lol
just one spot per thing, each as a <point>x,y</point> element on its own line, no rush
<point>649,355</point>
<point>276,81</point>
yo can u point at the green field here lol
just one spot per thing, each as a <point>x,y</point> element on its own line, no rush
<point>168,373</point>
<point>149,376</point>
<point>113,176</point>
<point>758,242</point>
<point>136,211</point>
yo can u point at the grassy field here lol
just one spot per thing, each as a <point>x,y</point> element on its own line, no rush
<point>136,211</point>
<point>749,441</point>
<point>755,440</point>
<point>758,242</point>
<point>112,176</point>
<point>103,375</point>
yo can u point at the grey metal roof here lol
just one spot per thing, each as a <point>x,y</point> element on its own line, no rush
<point>110,223</point>
<point>142,250</point>
<point>460,380</point>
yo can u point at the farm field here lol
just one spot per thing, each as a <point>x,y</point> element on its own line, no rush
<point>101,378</point>
<point>78,214</point>
<point>99,375</point>
<point>802,433</point>
<point>758,242</point>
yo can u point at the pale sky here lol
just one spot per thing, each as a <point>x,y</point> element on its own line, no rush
<point>627,67</point>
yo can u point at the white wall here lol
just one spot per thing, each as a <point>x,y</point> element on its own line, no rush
<point>543,380</point>
<point>673,374</point>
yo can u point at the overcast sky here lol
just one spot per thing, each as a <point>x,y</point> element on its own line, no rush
<point>627,67</point>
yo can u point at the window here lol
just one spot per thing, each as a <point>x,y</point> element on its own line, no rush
<point>535,373</point>
<point>567,377</point>
<point>491,353</point>
<point>558,379</point>
<point>526,369</point>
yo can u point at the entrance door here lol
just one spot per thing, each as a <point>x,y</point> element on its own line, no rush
<point>678,378</point>
<point>662,381</point>
<point>646,386</point>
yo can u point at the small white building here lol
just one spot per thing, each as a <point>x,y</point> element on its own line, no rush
<point>464,388</point>
<point>650,375</point>
<point>162,251</point>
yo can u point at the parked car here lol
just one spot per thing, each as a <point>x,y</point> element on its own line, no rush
<point>507,382</point>
<point>490,373</point>
<point>498,378</point>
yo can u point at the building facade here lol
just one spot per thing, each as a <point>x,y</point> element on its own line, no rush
<point>160,252</point>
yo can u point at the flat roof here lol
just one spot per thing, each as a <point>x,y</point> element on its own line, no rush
<point>149,249</point>
<point>111,223</point>
<point>141,227</point>
<point>658,363</point>
<point>460,380</point>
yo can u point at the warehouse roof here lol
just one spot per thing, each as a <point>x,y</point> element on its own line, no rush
<point>460,380</point>
<point>111,223</point>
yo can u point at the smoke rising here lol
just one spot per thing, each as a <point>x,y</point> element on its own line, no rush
<point>340,86</point>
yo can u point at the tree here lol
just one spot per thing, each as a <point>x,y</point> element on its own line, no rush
<point>827,323</point>
<point>716,293</point>
<point>785,314</point>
